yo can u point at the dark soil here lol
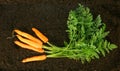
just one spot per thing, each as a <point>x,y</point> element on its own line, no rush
<point>50,17</point>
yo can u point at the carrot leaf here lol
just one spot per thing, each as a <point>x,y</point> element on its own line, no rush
<point>86,35</point>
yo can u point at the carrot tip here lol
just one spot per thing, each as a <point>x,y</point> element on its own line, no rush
<point>23,61</point>
<point>16,30</point>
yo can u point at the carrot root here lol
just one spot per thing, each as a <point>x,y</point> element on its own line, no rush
<point>40,50</point>
<point>29,42</point>
<point>40,35</point>
<point>34,58</point>
<point>26,35</point>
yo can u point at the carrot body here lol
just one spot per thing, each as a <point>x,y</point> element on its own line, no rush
<point>29,42</point>
<point>40,50</point>
<point>34,58</point>
<point>28,36</point>
<point>40,35</point>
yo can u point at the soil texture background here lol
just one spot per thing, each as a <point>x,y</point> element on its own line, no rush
<point>50,17</point>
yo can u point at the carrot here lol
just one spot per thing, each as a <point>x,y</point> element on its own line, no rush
<point>40,50</point>
<point>40,35</point>
<point>29,42</point>
<point>34,58</point>
<point>26,35</point>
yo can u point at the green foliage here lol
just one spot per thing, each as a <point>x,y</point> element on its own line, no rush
<point>87,37</point>
<point>90,33</point>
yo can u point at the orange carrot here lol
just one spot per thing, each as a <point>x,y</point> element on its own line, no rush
<point>40,35</point>
<point>34,58</point>
<point>26,35</point>
<point>29,42</point>
<point>40,50</point>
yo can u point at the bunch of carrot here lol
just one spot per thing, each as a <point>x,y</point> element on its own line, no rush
<point>27,41</point>
<point>86,39</point>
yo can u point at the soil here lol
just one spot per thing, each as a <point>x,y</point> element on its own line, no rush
<point>50,17</point>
